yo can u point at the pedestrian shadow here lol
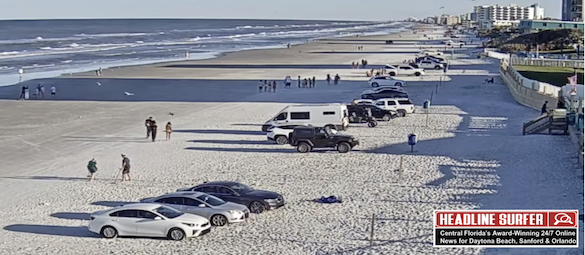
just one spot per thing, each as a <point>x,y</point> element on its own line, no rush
<point>217,131</point>
<point>105,139</point>
<point>80,231</point>
<point>112,203</point>
<point>263,142</point>
<point>71,215</point>
<point>47,178</point>
<point>256,150</point>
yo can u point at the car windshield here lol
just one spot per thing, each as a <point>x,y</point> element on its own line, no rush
<point>241,188</point>
<point>214,201</point>
<point>168,212</point>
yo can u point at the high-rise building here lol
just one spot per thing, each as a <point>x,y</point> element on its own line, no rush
<point>506,15</point>
<point>572,10</point>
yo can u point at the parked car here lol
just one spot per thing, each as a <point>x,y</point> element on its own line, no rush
<point>401,105</point>
<point>305,139</point>
<point>437,59</point>
<point>374,90</point>
<point>216,210</point>
<point>403,69</point>
<point>385,93</point>
<point>256,200</point>
<point>148,220</point>
<point>428,64</point>
<point>378,81</point>
<point>280,134</point>
<point>357,110</point>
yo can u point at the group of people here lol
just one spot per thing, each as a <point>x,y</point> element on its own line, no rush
<point>152,128</point>
<point>356,65</point>
<point>98,72</point>
<point>360,47</point>
<point>336,79</point>
<point>267,86</point>
<point>39,92</point>
<point>125,169</point>
<point>307,82</point>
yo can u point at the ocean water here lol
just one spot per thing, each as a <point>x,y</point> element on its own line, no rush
<point>52,47</point>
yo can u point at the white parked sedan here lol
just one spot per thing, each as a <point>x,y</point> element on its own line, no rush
<point>378,81</point>
<point>149,220</point>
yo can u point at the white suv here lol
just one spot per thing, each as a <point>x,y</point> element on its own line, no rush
<point>401,105</point>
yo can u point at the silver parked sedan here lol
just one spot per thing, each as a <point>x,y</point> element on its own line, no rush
<point>218,211</point>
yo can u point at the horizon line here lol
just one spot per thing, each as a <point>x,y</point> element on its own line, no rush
<point>180,18</point>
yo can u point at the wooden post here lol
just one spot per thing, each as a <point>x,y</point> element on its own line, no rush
<point>372,229</point>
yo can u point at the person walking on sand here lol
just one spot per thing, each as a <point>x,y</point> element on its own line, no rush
<point>125,168</point>
<point>92,168</point>
<point>328,79</point>
<point>314,80</point>
<point>299,82</point>
<point>53,91</point>
<point>169,130</point>
<point>274,87</point>
<point>148,125</point>
<point>153,128</point>
<point>543,110</point>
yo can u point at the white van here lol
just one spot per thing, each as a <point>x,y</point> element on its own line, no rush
<point>317,115</point>
<point>401,105</point>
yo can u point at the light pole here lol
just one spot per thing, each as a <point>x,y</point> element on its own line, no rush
<point>20,72</point>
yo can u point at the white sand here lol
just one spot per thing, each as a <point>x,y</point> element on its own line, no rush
<point>470,156</point>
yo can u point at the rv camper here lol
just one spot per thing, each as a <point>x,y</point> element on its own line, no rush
<point>317,115</point>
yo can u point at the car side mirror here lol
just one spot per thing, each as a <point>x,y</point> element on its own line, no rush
<point>158,218</point>
<point>202,205</point>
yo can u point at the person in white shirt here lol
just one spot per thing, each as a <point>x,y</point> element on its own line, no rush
<point>53,91</point>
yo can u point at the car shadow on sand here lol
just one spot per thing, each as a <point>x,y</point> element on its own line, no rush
<point>78,231</point>
<point>71,215</point>
<point>247,142</point>
<point>256,150</point>
<point>218,131</point>
<point>112,203</point>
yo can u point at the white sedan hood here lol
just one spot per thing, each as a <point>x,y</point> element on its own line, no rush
<point>192,218</point>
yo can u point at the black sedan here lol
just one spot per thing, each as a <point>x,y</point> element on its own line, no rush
<point>256,200</point>
<point>356,111</point>
<point>385,94</point>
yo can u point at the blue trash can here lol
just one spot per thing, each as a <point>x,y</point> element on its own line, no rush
<point>412,141</point>
<point>426,104</point>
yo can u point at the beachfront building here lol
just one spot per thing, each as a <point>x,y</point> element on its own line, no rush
<point>572,10</point>
<point>449,20</point>
<point>532,26</point>
<point>488,16</point>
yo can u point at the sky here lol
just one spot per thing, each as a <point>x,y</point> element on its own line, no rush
<point>251,9</point>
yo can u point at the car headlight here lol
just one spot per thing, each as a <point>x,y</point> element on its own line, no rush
<point>191,224</point>
<point>234,212</point>
<point>270,201</point>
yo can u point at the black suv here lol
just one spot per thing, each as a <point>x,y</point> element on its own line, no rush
<point>308,138</point>
<point>357,110</point>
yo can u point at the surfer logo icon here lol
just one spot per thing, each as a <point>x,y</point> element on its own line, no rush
<point>563,218</point>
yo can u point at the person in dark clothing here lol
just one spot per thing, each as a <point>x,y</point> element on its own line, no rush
<point>92,168</point>
<point>336,79</point>
<point>544,110</point>
<point>153,128</point>
<point>125,168</point>
<point>147,124</point>
<point>314,81</point>
<point>328,79</point>
<point>23,92</point>
<point>299,81</point>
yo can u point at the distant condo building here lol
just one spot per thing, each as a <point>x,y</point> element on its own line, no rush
<point>572,10</point>
<point>489,16</point>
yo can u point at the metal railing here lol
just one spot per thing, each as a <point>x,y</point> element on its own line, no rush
<point>567,63</point>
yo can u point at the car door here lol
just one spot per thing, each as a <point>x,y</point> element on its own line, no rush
<point>193,206</point>
<point>381,104</point>
<point>229,195</point>
<point>323,140</point>
<point>406,70</point>
<point>280,119</point>
<point>174,202</point>
<point>125,222</point>
<point>391,105</point>
<point>148,225</point>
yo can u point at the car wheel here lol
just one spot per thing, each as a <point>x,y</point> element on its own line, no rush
<point>109,232</point>
<point>218,220</point>
<point>303,147</point>
<point>176,234</point>
<point>375,84</point>
<point>399,84</point>
<point>387,117</point>
<point>392,74</point>
<point>417,74</point>
<point>343,147</point>
<point>438,67</point>
<point>256,207</point>
<point>372,123</point>
<point>401,113</point>
<point>281,140</point>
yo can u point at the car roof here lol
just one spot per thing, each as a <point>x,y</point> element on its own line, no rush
<point>183,194</point>
<point>138,206</point>
<point>219,183</point>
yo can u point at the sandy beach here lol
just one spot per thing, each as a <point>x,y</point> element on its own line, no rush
<point>471,154</point>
